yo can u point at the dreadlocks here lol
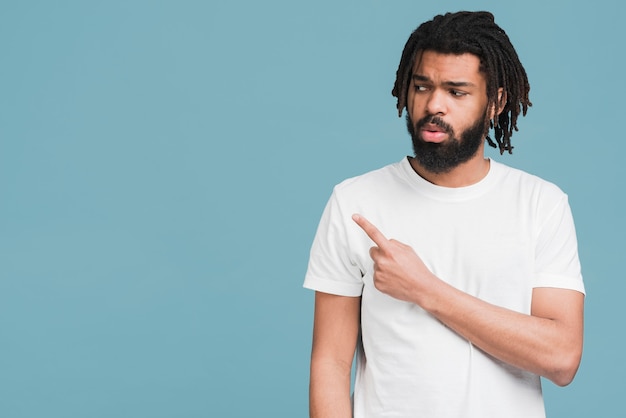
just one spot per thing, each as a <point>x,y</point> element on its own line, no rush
<point>475,33</point>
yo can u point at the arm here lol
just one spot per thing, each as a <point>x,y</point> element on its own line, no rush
<point>547,342</point>
<point>335,332</point>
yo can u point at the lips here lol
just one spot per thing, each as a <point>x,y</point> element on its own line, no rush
<point>431,127</point>
<point>431,132</point>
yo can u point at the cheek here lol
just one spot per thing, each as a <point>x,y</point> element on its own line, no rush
<point>477,112</point>
<point>414,106</point>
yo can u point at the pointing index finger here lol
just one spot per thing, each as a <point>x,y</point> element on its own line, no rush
<point>375,235</point>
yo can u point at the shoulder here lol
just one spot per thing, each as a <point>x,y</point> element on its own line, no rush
<point>526,183</point>
<point>371,181</point>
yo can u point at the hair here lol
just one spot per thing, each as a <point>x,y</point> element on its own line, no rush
<point>478,34</point>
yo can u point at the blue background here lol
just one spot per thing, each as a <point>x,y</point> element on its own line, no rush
<point>163,167</point>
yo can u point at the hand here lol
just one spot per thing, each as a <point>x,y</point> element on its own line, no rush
<point>398,270</point>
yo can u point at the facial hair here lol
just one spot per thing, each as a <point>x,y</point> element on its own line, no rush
<point>443,157</point>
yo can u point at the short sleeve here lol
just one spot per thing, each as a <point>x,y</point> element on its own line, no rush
<point>331,267</point>
<point>556,256</point>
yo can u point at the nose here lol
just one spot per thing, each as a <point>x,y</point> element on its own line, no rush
<point>436,103</point>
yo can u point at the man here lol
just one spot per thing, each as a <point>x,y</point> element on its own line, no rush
<point>479,293</point>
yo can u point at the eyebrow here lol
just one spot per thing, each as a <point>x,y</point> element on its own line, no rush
<point>419,77</point>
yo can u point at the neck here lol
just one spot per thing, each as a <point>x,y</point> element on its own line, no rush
<point>465,174</point>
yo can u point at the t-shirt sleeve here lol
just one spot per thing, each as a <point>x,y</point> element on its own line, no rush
<point>556,256</point>
<point>331,267</point>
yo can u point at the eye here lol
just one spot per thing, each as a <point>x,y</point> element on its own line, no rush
<point>458,93</point>
<point>419,88</point>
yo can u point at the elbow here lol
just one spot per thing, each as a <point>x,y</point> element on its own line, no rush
<point>563,378</point>
<point>564,369</point>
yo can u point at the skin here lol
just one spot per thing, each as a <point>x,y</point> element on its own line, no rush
<point>452,88</point>
<point>547,342</point>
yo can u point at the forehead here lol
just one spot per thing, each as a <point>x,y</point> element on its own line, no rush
<point>437,66</point>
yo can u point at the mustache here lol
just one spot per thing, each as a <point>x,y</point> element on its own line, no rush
<point>433,120</point>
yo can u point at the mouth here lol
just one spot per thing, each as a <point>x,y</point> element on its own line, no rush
<point>434,133</point>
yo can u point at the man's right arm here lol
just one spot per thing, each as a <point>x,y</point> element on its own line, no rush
<point>335,332</point>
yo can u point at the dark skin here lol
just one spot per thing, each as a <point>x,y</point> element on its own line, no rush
<point>547,342</point>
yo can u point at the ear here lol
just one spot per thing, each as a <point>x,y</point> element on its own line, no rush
<point>499,106</point>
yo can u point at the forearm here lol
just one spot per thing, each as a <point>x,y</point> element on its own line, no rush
<point>547,346</point>
<point>335,333</point>
<point>329,390</point>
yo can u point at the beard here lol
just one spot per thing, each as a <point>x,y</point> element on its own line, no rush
<point>443,157</point>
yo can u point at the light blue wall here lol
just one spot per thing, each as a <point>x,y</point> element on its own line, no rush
<point>163,166</point>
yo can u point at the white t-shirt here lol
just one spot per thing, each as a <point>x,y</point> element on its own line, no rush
<point>496,239</point>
